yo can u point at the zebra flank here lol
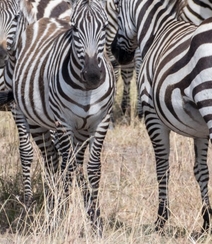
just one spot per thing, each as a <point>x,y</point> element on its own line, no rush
<point>174,84</point>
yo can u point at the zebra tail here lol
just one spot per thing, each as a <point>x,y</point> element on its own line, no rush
<point>6,97</point>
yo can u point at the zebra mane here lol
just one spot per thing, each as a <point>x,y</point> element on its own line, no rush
<point>86,1</point>
<point>180,5</point>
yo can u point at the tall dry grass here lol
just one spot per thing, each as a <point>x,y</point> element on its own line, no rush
<point>128,193</point>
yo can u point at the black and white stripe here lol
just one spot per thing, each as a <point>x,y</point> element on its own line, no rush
<point>14,17</point>
<point>195,11</point>
<point>175,84</point>
<point>63,81</point>
<point>126,71</point>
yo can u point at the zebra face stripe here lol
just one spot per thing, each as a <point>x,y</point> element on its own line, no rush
<point>8,13</point>
<point>89,23</point>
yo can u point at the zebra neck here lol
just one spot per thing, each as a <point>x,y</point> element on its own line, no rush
<point>66,57</point>
<point>15,34</point>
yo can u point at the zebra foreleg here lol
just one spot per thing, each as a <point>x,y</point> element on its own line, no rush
<point>91,196</point>
<point>94,174</point>
<point>201,173</point>
<point>81,180</point>
<point>26,155</point>
<point>43,139</point>
<point>26,152</point>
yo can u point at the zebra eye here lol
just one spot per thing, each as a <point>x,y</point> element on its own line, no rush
<point>73,24</point>
<point>116,3</point>
<point>104,27</point>
<point>75,28</point>
<point>16,16</point>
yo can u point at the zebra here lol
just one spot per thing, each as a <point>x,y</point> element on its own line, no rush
<point>195,11</point>
<point>174,84</point>
<point>125,70</point>
<point>63,81</point>
<point>30,11</point>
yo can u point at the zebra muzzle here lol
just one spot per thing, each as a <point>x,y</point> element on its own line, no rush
<point>3,57</point>
<point>93,73</point>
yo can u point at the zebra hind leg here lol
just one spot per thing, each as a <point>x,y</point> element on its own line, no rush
<point>127,75</point>
<point>159,135</point>
<point>201,173</point>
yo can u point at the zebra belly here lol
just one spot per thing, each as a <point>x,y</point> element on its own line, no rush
<point>181,115</point>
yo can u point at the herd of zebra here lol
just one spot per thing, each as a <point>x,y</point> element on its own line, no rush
<point>60,60</point>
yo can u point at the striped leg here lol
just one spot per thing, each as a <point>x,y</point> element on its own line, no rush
<point>94,173</point>
<point>43,139</point>
<point>67,151</point>
<point>116,73</point>
<point>127,75</point>
<point>138,62</point>
<point>81,180</point>
<point>202,176</point>
<point>2,81</point>
<point>159,135</point>
<point>26,153</point>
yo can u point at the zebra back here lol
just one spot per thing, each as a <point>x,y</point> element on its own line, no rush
<point>195,11</point>
<point>35,9</point>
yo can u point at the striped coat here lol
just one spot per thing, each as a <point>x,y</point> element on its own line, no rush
<point>14,17</point>
<point>174,85</point>
<point>63,81</point>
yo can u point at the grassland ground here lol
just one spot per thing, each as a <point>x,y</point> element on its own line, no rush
<point>128,192</point>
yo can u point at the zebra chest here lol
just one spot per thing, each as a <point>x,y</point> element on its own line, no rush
<point>80,112</point>
<point>179,113</point>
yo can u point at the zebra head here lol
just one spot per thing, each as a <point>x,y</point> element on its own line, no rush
<point>89,21</point>
<point>9,10</point>
<point>14,17</point>
<point>125,42</point>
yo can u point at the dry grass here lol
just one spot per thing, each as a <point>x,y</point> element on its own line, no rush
<point>128,193</point>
